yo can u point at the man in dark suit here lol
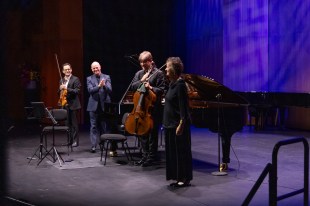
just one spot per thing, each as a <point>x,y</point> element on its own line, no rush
<point>72,85</point>
<point>152,79</point>
<point>99,88</point>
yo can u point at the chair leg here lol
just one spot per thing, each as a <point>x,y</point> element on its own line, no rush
<point>41,147</point>
<point>106,152</point>
<point>101,145</point>
<point>161,136</point>
<point>137,144</point>
<point>129,151</point>
<point>69,144</point>
<point>45,139</point>
<point>123,147</point>
<point>128,154</point>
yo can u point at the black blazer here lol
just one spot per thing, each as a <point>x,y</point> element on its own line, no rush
<point>73,90</point>
<point>157,81</point>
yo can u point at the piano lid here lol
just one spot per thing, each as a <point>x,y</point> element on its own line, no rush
<point>201,88</point>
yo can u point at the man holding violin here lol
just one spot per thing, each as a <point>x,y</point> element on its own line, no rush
<point>69,90</point>
<point>153,79</point>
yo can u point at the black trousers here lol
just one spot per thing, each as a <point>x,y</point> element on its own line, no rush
<point>149,144</point>
<point>72,122</point>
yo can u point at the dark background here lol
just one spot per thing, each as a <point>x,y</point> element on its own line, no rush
<point>115,29</point>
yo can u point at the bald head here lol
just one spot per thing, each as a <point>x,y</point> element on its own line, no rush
<point>96,68</point>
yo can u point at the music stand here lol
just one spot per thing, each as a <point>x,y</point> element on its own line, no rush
<point>38,113</point>
<point>53,148</point>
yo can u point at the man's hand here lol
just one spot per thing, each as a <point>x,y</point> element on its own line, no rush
<point>101,83</point>
<point>145,76</point>
<point>62,87</point>
<point>148,86</point>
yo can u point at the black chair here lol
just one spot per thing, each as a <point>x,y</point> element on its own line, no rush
<point>107,139</point>
<point>58,117</point>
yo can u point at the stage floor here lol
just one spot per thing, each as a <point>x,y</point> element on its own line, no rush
<point>85,181</point>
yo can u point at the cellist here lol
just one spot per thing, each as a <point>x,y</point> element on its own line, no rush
<point>153,79</point>
<point>70,86</point>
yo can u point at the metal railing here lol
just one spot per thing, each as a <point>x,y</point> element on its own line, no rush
<point>272,170</point>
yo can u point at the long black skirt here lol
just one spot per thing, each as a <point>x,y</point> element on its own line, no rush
<point>178,155</point>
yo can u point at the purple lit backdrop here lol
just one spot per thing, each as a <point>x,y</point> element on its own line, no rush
<point>204,46</point>
<point>289,45</point>
<point>256,45</point>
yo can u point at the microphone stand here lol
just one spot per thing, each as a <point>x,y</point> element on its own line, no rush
<point>132,60</point>
<point>218,173</point>
<point>136,63</point>
<point>120,102</point>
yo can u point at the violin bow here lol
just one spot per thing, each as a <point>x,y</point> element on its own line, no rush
<point>156,72</point>
<point>59,69</point>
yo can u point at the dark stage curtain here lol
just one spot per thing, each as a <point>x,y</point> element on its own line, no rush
<point>115,29</point>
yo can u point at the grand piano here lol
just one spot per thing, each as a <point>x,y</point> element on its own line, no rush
<point>216,107</point>
<point>213,106</point>
<point>274,104</point>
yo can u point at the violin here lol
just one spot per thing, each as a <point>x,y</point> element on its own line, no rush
<point>62,102</point>
<point>139,121</point>
<point>63,98</point>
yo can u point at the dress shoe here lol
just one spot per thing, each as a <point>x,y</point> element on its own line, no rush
<point>74,144</point>
<point>183,184</point>
<point>113,154</point>
<point>180,184</point>
<point>223,167</point>
<point>140,162</point>
<point>93,150</point>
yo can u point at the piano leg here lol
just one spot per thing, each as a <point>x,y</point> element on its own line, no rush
<point>226,140</point>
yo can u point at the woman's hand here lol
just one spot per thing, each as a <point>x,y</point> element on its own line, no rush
<point>179,130</point>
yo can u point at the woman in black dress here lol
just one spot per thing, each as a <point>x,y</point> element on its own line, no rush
<point>176,122</point>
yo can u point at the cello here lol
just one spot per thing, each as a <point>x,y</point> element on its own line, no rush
<point>139,121</point>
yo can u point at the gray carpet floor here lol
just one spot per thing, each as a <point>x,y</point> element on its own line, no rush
<point>84,180</point>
